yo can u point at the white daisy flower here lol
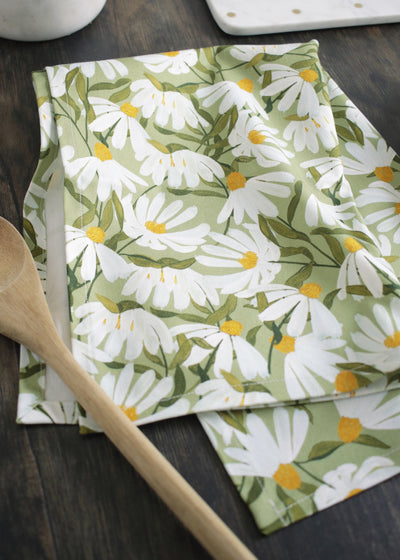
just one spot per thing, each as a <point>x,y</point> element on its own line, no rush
<point>252,137</point>
<point>354,115</point>
<point>231,93</point>
<point>90,244</point>
<point>35,196</point>
<point>301,302</point>
<point>213,422</point>
<point>248,195</point>
<point>248,52</point>
<point>111,174</point>
<point>331,172</point>
<point>56,77</point>
<point>360,267</point>
<point>157,226</point>
<point>181,166</point>
<point>176,62</point>
<point>110,68</point>
<point>267,455</point>
<point>136,394</point>
<point>182,285</point>
<point>251,257</point>
<point>166,106</point>
<point>306,358</point>
<point>379,340</point>
<point>373,412</point>
<point>227,341</point>
<point>135,327</point>
<point>308,132</point>
<point>348,480</point>
<point>389,216</point>
<point>122,118</point>
<point>48,128</point>
<point>333,89</point>
<point>370,159</point>
<point>85,355</point>
<point>219,394</point>
<point>295,84</point>
<point>329,213</point>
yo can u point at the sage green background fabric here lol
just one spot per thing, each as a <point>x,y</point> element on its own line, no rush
<point>232,224</point>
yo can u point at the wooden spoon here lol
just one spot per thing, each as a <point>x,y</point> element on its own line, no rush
<point>25,317</point>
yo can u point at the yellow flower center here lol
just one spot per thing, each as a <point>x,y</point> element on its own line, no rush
<point>346,381</point>
<point>392,341</point>
<point>155,227</point>
<point>397,208</point>
<point>256,137</point>
<point>246,85</point>
<point>248,260</point>
<point>130,411</point>
<point>352,245</point>
<point>129,110</point>
<point>311,290</point>
<point>287,477</point>
<point>384,173</point>
<point>172,53</point>
<point>308,75</point>
<point>232,327</point>
<point>96,234</point>
<point>236,180</point>
<point>102,152</point>
<point>353,492</point>
<point>286,345</point>
<point>349,429</point>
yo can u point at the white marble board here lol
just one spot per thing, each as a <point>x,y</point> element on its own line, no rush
<point>252,17</point>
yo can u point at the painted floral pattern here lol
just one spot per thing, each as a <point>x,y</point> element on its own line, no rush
<point>231,236</point>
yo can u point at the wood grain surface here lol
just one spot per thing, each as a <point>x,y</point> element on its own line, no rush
<point>67,497</point>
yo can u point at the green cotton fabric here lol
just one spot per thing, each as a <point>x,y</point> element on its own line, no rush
<point>231,232</point>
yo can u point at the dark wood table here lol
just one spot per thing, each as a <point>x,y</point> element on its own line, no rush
<point>68,497</point>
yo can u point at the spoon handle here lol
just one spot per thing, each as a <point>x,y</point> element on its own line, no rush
<point>170,486</point>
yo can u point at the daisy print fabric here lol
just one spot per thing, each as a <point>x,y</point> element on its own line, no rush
<point>231,234</point>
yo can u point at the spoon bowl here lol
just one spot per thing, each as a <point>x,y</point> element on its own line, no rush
<point>25,318</point>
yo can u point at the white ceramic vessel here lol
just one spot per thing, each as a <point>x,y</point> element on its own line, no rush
<point>41,20</point>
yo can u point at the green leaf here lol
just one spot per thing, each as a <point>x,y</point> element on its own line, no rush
<point>154,81</point>
<point>295,117</point>
<point>78,196</point>
<point>294,202</point>
<point>358,290</point>
<point>262,302</point>
<point>365,439</point>
<point>305,63</point>
<point>182,354</point>
<point>255,60</point>
<point>152,357</point>
<point>277,333</point>
<point>180,382</point>
<point>109,85</point>
<point>128,304</point>
<point>118,209</point>
<point>345,133</point>
<point>160,147</point>
<point>335,248</point>
<point>202,343</point>
<point>231,419</point>
<point>323,449</point>
<point>121,95</point>
<point>85,219</point>
<point>295,511</point>
<point>255,490</point>
<point>70,77</point>
<point>233,381</point>
<point>188,88</point>
<point>291,251</point>
<point>115,365</point>
<point>285,231</point>
<point>357,132</point>
<point>108,303</point>
<point>298,279</point>
<point>252,334</point>
<point>210,56</point>
<point>107,216</point>
<point>328,299</point>
<point>226,309</point>
<point>29,230</point>
<point>265,229</point>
